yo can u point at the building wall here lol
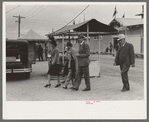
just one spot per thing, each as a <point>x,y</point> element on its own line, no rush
<point>134,30</point>
<point>134,35</point>
<point>135,40</point>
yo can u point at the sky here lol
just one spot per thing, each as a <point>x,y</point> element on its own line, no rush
<point>45,17</point>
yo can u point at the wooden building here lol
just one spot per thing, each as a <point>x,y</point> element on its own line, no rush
<point>133,30</point>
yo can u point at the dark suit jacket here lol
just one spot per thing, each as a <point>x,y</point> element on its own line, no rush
<point>84,53</point>
<point>128,54</point>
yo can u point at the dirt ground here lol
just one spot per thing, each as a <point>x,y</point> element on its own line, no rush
<point>105,88</point>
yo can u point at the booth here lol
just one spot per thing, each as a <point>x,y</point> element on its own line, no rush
<point>87,28</point>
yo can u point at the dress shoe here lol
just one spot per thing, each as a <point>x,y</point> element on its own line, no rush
<point>125,89</point>
<point>65,87</point>
<point>86,89</point>
<point>57,85</point>
<point>71,87</point>
<point>47,85</point>
<point>75,89</point>
<point>63,82</point>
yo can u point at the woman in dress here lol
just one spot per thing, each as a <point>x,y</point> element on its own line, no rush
<point>54,64</point>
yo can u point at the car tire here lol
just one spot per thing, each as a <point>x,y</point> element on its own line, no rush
<point>27,75</point>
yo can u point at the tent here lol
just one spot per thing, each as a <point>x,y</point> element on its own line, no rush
<point>32,37</point>
<point>93,26</point>
<point>89,27</point>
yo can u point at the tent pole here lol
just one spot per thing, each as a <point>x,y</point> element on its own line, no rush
<point>99,55</point>
<point>88,34</point>
<point>69,35</point>
<point>63,48</point>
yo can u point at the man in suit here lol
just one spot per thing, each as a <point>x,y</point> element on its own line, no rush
<point>83,64</point>
<point>125,57</point>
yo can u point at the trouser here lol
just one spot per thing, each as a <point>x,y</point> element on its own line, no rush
<point>69,77</point>
<point>40,56</point>
<point>82,70</point>
<point>124,75</point>
<point>46,56</point>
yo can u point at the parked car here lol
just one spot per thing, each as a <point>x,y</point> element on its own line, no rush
<point>17,60</point>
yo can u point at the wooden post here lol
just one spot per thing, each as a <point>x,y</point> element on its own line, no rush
<point>113,46</point>
<point>88,34</point>
<point>99,56</point>
<point>69,35</point>
<point>63,48</point>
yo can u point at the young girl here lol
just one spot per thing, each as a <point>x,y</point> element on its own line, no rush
<point>54,66</point>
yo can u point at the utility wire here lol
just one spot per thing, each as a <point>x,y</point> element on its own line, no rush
<point>29,11</point>
<point>43,22</point>
<point>75,17</point>
<point>38,12</point>
<point>30,15</point>
<point>12,9</point>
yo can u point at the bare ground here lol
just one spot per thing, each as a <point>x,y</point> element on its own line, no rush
<point>105,88</point>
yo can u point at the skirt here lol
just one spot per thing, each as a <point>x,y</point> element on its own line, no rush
<point>54,69</point>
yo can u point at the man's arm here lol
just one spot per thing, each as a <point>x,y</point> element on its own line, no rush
<point>87,52</point>
<point>132,55</point>
<point>117,57</point>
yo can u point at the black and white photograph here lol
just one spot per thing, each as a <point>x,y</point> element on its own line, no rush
<point>74,60</point>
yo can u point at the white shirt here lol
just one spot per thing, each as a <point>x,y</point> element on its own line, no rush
<point>82,42</point>
<point>124,44</point>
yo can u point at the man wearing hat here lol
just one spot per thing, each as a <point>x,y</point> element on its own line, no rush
<point>125,57</point>
<point>83,64</point>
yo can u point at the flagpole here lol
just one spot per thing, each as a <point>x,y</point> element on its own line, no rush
<point>116,11</point>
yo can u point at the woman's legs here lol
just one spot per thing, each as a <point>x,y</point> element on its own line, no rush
<point>64,79</point>
<point>58,82</point>
<point>49,80</point>
<point>68,78</point>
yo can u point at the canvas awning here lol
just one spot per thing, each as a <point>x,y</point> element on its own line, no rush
<point>95,27</point>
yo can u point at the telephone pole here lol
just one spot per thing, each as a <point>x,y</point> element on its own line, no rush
<point>19,21</point>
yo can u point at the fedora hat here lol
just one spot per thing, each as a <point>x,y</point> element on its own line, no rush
<point>121,36</point>
<point>69,44</point>
<point>81,36</point>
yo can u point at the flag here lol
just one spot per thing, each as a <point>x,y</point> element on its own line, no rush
<point>115,12</point>
<point>123,16</point>
<point>73,22</point>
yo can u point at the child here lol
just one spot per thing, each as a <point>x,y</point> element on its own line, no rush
<point>71,70</point>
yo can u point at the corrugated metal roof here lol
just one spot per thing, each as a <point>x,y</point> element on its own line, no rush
<point>94,26</point>
<point>128,21</point>
<point>32,35</point>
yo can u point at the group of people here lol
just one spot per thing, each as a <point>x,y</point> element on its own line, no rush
<point>40,52</point>
<point>77,64</point>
